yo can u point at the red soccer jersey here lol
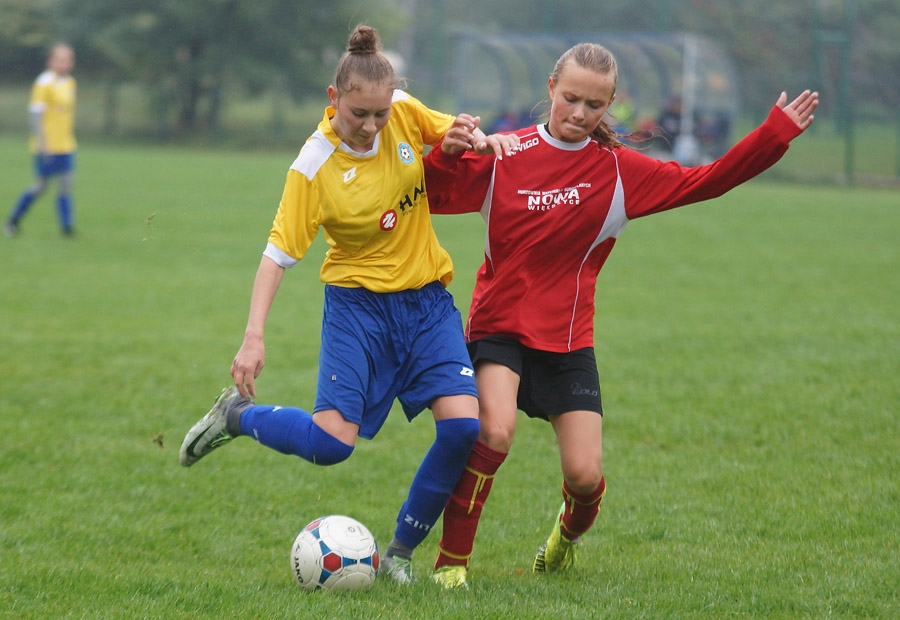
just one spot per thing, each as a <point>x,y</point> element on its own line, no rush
<point>554,210</point>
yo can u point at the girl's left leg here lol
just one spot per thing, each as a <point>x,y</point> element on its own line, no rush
<point>456,429</point>
<point>580,437</point>
<point>64,203</point>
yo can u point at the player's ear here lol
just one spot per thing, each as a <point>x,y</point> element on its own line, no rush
<point>332,95</point>
<point>550,87</point>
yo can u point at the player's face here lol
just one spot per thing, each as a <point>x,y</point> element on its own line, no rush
<point>62,60</point>
<point>361,113</point>
<point>578,101</point>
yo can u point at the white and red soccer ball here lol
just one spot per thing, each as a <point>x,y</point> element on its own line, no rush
<point>335,553</point>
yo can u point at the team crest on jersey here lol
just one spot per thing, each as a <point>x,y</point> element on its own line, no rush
<point>405,152</point>
<point>388,220</point>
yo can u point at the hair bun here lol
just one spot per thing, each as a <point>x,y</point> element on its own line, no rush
<point>364,40</point>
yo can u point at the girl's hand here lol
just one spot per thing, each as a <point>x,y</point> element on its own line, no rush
<point>498,144</point>
<point>247,365</point>
<point>461,134</point>
<point>801,109</point>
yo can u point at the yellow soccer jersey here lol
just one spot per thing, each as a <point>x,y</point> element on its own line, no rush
<point>54,98</point>
<point>372,205</point>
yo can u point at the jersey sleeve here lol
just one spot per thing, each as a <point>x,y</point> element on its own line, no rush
<point>653,186</point>
<point>296,222</point>
<point>40,94</point>
<point>457,183</point>
<point>432,125</point>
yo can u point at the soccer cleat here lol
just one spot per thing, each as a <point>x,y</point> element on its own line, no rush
<point>211,431</point>
<point>10,229</point>
<point>452,577</point>
<point>557,553</point>
<point>397,568</point>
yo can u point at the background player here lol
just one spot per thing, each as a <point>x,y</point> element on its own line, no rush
<point>52,120</point>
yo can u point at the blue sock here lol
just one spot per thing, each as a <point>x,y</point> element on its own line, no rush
<point>436,479</point>
<point>64,207</point>
<point>292,431</point>
<point>22,205</point>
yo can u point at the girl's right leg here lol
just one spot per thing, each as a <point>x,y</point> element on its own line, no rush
<point>23,203</point>
<point>285,429</point>
<point>322,439</point>
<point>497,390</point>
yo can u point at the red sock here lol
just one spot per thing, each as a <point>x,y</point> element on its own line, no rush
<point>463,510</point>
<point>581,510</point>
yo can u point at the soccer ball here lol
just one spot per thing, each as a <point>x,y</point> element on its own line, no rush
<point>335,553</point>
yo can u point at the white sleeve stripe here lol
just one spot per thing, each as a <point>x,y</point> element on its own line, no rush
<point>615,222</point>
<point>486,214</point>
<point>281,259</point>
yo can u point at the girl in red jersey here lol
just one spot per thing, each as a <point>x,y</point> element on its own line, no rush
<point>554,208</point>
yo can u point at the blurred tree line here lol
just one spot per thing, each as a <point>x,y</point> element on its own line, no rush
<point>185,52</point>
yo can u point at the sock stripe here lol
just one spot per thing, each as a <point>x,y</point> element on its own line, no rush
<point>454,556</point>
<point>481,480</point>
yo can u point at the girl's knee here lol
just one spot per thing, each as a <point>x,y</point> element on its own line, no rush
<point>459,431</point>
<point>583,480</point>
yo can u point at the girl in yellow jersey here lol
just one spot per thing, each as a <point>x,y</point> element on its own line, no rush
<point>52,118</point>
<point>390,328</point>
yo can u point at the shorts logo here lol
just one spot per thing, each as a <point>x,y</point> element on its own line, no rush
<point>388,220</point>
<point>405,152</point>
<point>577,390</point>
<point>467,372</point>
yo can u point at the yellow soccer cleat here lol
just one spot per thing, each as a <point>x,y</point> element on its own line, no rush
<point>558,553</point>
<point>451,577</point>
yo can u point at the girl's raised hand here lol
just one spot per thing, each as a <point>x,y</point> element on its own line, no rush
<point>801,109</point>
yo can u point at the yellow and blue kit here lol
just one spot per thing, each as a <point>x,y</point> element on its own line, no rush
<point>390,329</point>
<point>53,97</point>
<point>372,206</point>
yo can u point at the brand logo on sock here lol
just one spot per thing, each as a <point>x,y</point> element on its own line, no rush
<point>415,523</point>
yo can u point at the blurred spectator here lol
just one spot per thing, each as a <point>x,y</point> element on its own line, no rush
<point>669,124</point>
<point>508,121</point>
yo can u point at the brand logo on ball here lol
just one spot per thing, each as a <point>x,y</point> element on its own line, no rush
<point>389,220</point>
<point>406,153</point>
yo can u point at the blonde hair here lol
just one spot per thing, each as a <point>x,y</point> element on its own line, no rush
<point>596,58</point>
<point>363,62</point>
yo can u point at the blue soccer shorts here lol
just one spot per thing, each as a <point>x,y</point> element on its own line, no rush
<point>376,347</point>
<point>49,165</point>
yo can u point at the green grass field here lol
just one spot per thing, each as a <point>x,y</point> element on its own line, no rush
<point>749,351</point>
